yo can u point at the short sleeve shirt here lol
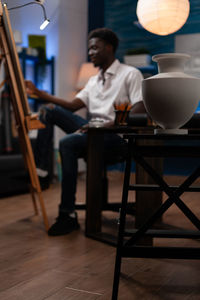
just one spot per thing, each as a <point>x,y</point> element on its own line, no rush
<point>121,83</point>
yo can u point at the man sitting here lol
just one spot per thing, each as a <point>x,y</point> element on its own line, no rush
<point>114,82</point>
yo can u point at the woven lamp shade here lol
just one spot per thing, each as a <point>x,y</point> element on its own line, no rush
<point>162,17</point>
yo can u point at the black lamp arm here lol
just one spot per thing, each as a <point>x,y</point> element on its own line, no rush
<point>30,3</point>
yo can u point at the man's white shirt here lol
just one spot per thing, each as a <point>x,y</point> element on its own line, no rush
<point>121,83</point>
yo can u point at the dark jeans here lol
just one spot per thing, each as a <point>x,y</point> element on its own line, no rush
<point>71,147</point>
<point>50,116</point>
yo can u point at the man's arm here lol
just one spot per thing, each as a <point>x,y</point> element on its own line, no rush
<point>74,105</point>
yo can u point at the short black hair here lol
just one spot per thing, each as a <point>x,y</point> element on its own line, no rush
<point>105,34</point>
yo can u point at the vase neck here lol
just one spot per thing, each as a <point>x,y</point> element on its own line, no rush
<point>172,62</point>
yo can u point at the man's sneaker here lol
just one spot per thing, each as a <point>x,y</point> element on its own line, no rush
<point>64,225</point>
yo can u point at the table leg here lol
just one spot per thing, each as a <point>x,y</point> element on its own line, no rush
<point>147,202</point>
<point>94,183</point>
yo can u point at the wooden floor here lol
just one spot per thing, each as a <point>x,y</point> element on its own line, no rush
<point>34,266</point>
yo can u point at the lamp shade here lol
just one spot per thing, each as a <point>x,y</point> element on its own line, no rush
<point>162,17</point>
<point>86,71</point>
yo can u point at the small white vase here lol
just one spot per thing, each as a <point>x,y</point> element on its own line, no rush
<point>171,97</point>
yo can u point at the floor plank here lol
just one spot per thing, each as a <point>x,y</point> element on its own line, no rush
<point>34,266</point>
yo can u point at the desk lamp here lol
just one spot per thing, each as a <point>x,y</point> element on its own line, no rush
<point>46,20</point>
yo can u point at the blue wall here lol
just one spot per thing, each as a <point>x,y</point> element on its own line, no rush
<point>95,14</point>
<point>119,16</point>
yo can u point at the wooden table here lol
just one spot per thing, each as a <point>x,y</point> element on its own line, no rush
<point>95,162</point>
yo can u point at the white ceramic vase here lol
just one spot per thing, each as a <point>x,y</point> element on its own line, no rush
<point>171,97</point>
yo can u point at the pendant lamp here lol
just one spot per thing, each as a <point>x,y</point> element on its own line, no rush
<point>162,17</point>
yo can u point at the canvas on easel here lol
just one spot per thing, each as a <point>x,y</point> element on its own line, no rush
<point>25,121</point>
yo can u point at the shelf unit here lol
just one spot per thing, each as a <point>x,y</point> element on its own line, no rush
<point>25,59</point>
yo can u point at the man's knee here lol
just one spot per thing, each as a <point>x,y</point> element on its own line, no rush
<point>46,113</point>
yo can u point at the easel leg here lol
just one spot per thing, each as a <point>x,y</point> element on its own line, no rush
<point>46,222</point>
<point>34,200</point>
<point>35,184</point>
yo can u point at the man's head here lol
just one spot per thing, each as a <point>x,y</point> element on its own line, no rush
<point>102,44</point>
<point>107,35</point>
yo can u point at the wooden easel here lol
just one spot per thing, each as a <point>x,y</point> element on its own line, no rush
<point>25,121</point>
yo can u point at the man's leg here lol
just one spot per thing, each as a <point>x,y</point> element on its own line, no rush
<point>53,115</point>
<point>71,147</point>
<point>114,146</point>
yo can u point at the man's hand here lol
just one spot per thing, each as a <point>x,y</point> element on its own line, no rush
<point>30,88</point>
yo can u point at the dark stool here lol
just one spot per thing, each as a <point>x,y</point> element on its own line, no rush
<point>127,245</point>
